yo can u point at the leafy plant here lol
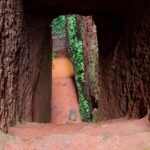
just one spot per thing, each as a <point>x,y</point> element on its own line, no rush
<point>58,26</point>
<point>76,51</point>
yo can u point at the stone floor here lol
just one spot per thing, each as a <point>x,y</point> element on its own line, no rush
<point>121,134</point>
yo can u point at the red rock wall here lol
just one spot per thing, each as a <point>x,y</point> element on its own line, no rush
<point>125,69</point>
<point>15,98</point>
<point>24,66</point>
<point>124,54</point>
<point>88,33</point>
<point>38,28</point>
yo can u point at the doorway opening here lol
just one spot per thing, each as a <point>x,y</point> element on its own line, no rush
<point>72,98</point>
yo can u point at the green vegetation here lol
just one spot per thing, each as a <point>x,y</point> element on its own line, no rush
<point>66,25</point>
<point>58,27</point>
<point>76,50</point>
<point>58,30</point>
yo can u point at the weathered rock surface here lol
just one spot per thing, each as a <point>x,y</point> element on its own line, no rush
<point>112,135</point>
<point>125,66</point>
<point>15,98</point>
<point>124,55</point>
<point>40,63</point>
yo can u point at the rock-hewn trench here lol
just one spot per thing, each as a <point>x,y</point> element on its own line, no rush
<point>124,57</point>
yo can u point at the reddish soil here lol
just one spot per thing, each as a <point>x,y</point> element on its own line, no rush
<point>64,99</point>
<point>64,96</point>
<point>119,134</point>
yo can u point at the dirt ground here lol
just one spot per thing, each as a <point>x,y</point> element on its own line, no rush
<point>64,99</point>
<point>121,134</point>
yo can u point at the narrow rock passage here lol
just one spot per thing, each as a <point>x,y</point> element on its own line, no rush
<point>64,99</point>
<point>65,134</point>
<point>64,103</point>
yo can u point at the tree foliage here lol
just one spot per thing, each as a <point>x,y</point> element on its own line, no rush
<point>58,26</point>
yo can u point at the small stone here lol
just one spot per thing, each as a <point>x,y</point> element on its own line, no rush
<point>72,115</point>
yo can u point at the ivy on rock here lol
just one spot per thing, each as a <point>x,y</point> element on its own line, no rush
<point>65,26</point>
<point>76,51</point>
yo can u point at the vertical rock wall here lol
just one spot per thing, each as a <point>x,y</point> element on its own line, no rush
<point>91,60</point>
<point>38,28</point>
<point>15,99</point>
<point>137,51</point>
<point>125,69</point>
